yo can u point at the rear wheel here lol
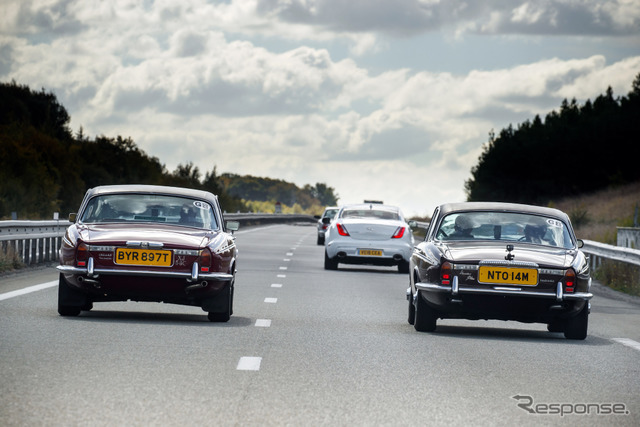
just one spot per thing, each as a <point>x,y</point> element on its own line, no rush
<point>403,267</point>
<point>576,327</point>
<point>320,240</point>
<point>555,326</point>
<point>412,311</point>
<point>425,317</point>
<point>330,263</point>
<point>225,315</point>
<point>70,301</point>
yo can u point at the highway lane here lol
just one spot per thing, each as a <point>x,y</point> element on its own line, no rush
<point>314,347</point>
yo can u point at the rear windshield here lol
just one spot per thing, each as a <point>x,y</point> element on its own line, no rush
<point>370,213</point>
<point>149,208</point>
<point>506,226</point>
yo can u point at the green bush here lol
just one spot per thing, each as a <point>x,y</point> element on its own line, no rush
<point>621,276</point>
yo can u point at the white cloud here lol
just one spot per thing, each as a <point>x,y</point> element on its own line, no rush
<point>194,81</point>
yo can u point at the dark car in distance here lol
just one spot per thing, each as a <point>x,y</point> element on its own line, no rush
<point>505,261</point>
<point>148,243</point>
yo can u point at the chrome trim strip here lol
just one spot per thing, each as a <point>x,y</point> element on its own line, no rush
<point>559,291</point>
<point>510,263</point>
<point>69,269</point>
<point>454,286</point>
<point>440,288</point>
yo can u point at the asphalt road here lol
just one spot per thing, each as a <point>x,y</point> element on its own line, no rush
<point>306,346</point>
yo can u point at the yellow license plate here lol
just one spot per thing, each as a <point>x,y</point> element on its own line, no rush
<point>508,276</point>
<point>126,256</point>
<point>370,252</point>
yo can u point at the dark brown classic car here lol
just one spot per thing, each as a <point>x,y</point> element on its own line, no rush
<point>500,261</point>
<point>148,243</point>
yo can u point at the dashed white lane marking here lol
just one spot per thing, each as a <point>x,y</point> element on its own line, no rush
<point>28,290</point>
<point>263,323</point>
<point>289,253</point>
<point>629,343</point>
<point>282,276</point>
<point>271,300</point>
<point>283,268</point>
<point>276,285</point>
<point>247,363</point>
<point>286,260</point>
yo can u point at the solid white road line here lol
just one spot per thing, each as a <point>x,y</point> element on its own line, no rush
<point>629,343</point>
<point>263,323</point>
<point>249,363</point>
<point>28,290</point>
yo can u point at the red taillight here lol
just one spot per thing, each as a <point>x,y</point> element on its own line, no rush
<point>205,260</point>
<point>569,280</point>
<point>399,233</point>
<point>82,254</point>
<point>445,273</point>
<point>341,230</point>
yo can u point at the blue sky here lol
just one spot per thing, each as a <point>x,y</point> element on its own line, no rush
<point>380,99</point>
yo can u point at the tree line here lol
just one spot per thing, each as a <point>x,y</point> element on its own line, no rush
<point>45,168</point>
<point>578,149</point>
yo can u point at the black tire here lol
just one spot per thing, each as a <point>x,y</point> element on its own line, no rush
<point>412,311</point>
<point>425,317</point>
<point>223,316</point>
<point>576,327</point>
<point>320,240</point>
<point>555,326</point>
<point>330,263</point>
<point>70,301</point>
<point>403,267</point>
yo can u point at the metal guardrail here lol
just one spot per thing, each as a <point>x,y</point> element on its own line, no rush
<point>36,242</point>
<point>39,241</point>
<point>598,251</point>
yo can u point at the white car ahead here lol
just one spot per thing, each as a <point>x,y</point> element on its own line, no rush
<point>369,233</point>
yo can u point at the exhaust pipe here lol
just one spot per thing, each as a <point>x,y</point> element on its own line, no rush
<point>195,286</point>
<point>88,281</point>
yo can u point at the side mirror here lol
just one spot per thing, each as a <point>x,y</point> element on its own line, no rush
<point>233,226</point>
<point>326,220</point>
<point>580,243</point>
<point>72,217</point>
<point>413,224</point>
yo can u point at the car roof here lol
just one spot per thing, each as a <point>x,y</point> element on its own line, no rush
<point>154,189</point>
<point>377,206</point>
<point>502,206</point>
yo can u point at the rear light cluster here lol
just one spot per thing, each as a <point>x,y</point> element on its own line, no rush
<point>205,260</point>
<point>82,254</point>
<point>342,230</point>
<point>569,280</point>
<point>445,273</point>
<point>399,232</point>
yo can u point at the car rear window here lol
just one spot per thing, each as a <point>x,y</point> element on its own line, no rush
<point>506,226</point>
<point>370,214</point>
<point>154,208</point>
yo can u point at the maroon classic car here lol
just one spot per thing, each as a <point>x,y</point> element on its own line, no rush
<point>148,243</point>
<point>500,261</point>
